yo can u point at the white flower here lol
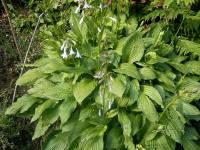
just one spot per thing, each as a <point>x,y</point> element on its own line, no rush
<point>110,87</point>
<point>63,45</point>
<point>110,104</point>
<point>71,52</point>
<point>111,78</point>
<point>64,54</point>
<point>100,93</point>
<point>99,75</point>
<point>113,19</point>
<point>78,55</point>
<point>161,33</point>
<point>74,42</point>
<point>86,5</point>
<point>77,9</point>
<point>101,6</point>
<point>99,112</point>
<point>99,30</point>
<point>81,21</point>
<point>78,1</point>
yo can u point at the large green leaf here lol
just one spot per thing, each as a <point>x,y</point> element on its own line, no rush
<point>40,129</point>
<point>47,89</point>
<point>190,144</point>
<point>87,112</point>
<point>41,108</point>
<point>153,94</point>
<point>118,86</point>
<point>66,108</point>
<point>133,48</point>
<point>161,142</point>
<point>194,67</point>
<point>125,122</point>
<point>59,91</point>
<point>180,67</point>
<point>147,73</point>
<point>189,89</point>
<point>134,90</point>
<point>57,142</point>
<point>174,124</point>
<point>129,70</point>
<point>126,127</point>
<point>135,124</point>
<point>49,117</point>
<point>148,108</point>
<point>95,143</point>
<point>30,76</point>
<point>53,65</point>
<point>21,105</point>
<point>84,89</point>
<point>188,109</point>
<point>114,139</point>
<point>92,138</point>
<point>124,102</point>
<point>190,139</point>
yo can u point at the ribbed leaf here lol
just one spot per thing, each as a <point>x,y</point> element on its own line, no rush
<point>66,108</point>
<point>126,127</point>
<point>92,138</point>
<point>40,129</point>
<point>133,48</point>
<point>147,73</point>
<point>174,125</point>
<point>194,67</point>
<point>189,89</point>
<point>125,123</point>
<point>87,112</point>
<point>153,94</point>
<point>41,108</point>
<point>118,86</point>
<point>30,76</point>
<point>160,142</point>
<point>134,124</point>
<point>114,139</point>
<point>84,89</point>
<point>190,145</point>
<point>57,142</point>
<point>59,91</point>
<point>49,117</point>
<point>53,65</point>
<point>129,70</point>
<point>180,67</point>
<point>189,109</point>
<point>95,143</point>
<point>147,107</point>
<point>21,105</point>
<point>124,102</point>
<point>134,90</point>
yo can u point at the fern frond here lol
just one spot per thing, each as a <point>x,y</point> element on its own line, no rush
<point>170,13</point>
<point>186,46</point>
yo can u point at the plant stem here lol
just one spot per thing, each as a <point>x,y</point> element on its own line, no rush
<point>25,58</point>
<point>12,29</point>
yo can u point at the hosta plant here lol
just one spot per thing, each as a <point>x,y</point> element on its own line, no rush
<point>112,83</point>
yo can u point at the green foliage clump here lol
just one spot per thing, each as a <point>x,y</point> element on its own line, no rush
<point>113,82</point>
